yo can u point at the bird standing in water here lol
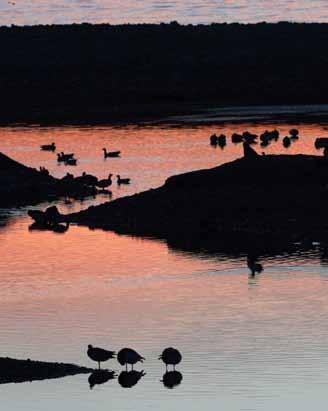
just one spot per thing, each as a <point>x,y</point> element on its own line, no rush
<point>99,354</point>
<point>170,356</point>
<point>129,356</point>
<point>254,266</point>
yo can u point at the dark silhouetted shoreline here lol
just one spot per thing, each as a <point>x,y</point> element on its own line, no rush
<point>248,203</point>
<point>14,371</point>
<point>102,73</point>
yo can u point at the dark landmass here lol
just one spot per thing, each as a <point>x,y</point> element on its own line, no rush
<point>102,73</point>
<point>261,202</point>
<point>13,370</point>
<point>21,185</point>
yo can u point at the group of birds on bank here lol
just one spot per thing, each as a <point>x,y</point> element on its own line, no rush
<point>249,138</point>
<point>128,356</point>
<point>87,179</point>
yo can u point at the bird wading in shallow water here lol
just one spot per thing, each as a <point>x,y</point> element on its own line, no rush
<point>129,356</point>
<point>170,356</point>
<point>99,354</point>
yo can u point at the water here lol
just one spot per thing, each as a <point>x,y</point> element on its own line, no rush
<point>248,344</point>
<point>154,11</point>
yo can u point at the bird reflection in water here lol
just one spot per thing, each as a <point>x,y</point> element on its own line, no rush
<point>128,379</point>
<point>100,377</point>
<point>171,379</point>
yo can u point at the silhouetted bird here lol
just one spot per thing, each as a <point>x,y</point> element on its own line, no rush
<point>60,228</point>
<point>99,354</point>
<point>62,157</point>
<point>249,137</point>
<point>71,162</point>
<point>286,142</point>
<point>128,379</point>
<point>48,147</point>
<point>106,182</point>
<point>170,356</point>
<point>111,153</point>
<point>100,377</point>
<point>294,133</point>
<point>213,140</point>
<point>254,266</point>
<point>122,180</point>
<point>222,140</point>
<point>171,379</point>
<point>129,356</point>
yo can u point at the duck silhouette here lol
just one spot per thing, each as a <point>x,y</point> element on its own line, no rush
<point>286,142</point>
<point>100,377</point>
<point>122,180</point>
<point>128,379</point>
<point>99,354</point>
<point>106,182</point>
<point>129,356</point>
<point>171,379</point>
<point>48,147</point>
<point>170,356</point>
<point>108,154</point>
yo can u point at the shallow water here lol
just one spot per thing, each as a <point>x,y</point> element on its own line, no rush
<point>248,344</point>
<point>155,11</point>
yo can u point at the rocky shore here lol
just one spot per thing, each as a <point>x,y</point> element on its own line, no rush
<point>250,202</point>
<point>102,73</point>
<point>13,370</point>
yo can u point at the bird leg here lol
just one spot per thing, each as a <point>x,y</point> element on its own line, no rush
<point>98,365</point>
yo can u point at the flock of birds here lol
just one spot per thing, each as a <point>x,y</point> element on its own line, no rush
<point>128,356</point>
<point>68,159</point>
<point>249,138</point>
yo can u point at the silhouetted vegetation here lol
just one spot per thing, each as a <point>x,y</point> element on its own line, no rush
<point>85,73</point>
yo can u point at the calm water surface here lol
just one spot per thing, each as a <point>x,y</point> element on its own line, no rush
<point>248,344</point>
<point>155,11</point>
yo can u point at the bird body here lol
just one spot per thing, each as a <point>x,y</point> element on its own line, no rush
<point>106,182</point>
<point>171,356</point>
<point>48,147</point>
<point>87,179</point>
<point>62,157</point>
<point>122,180</point>
<point>286,141</point>
<point>129,356</point>
<point>111,153</point>
<point>254,266</point>
<point>99,354</point>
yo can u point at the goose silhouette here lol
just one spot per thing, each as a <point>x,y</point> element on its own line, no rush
<point>111,153</point>
<point>122,180</point>
<point>100,377</point>
<point>128,379</point>
<point>99,354</point>
<point>171,379</point>
<point>170,356</point>
<point>106,182</point>
<point>48,147</point>
<point>129,356</point>
<point>286,142</point>
<point>87,179</point>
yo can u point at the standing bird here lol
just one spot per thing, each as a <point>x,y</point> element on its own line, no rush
<point>129,356</point>
<point>286,142</point>
<point>170,356</point>
<point>99,354</point>
<point>254,266</point>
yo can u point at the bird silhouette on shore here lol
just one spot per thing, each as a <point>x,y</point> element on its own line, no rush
<point>99,354</point>
<point>129,356</point>
<point>170,356</point>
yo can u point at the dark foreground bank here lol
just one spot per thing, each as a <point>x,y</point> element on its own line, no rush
<point>13,370</point>
<point>101,73</point>
<point>248,203</point>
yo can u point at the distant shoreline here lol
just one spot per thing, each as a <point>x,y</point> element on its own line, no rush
<point>102,74</point>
